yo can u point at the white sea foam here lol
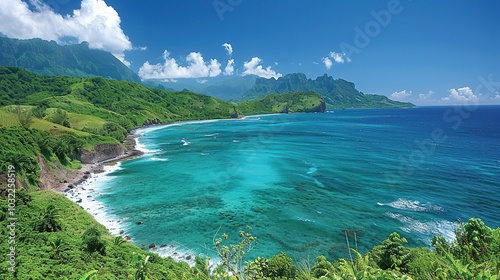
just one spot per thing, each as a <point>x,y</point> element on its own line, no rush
<point>306,220</point>
<point>142,147</point>
<point>185,143</point>
<point>85,195</point>
<point>405,204</point>
<point>159,159</point>
<point>413,205</point>
<point>428,228</point>
<point>177,252</point>
<point>312,170</point>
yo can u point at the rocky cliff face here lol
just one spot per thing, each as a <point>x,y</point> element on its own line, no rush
<point>102,152</point>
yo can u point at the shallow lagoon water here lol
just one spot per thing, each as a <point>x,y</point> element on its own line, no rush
<point>301,180</point>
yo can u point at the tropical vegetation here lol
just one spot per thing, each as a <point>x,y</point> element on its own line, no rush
<point>56,239</point>
<point>54,119</point>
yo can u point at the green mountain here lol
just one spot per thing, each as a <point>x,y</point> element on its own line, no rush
<point>337,93</point>
<point>124,103</point>
<point>77,115</point>
<point>289,102</point>
<point>49,58</point>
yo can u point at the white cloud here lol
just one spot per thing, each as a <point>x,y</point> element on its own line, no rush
<point>253,67</point>
<point>328,63</point>
<point>202,81</point>
<point>463,94</point>
<point>426,96</point>
<point>169,80</point>
<point>229,70</point>
<point>95,22</point>
<point>339,57</point>
<point>228,48</point>
<point>497,96</point>
<point>400,95</point>
<point>170,69</point>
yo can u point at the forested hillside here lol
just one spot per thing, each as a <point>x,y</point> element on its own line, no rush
<point>49,58</point>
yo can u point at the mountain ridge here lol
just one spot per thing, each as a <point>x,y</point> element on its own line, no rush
<point>48,58</point>
<point>337,92</point>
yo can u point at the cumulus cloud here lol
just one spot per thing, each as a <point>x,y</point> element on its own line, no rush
<point>229,70</point>
<point>400,95</point>
<point>253,67</point>
<point>229,48</point>
<point>497,96</point>
<point>464,94</point>
<point>170,69</point>
<point>339,57</point>
<point>95,22</point>
<point>328,63</point>
<point>425,96</point>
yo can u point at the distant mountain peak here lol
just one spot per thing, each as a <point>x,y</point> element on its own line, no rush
<point>336,92</point>
<point>49,58</point>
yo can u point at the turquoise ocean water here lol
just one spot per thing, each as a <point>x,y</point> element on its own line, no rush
<point>301,180</point>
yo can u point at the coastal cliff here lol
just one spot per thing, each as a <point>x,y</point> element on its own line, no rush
<point>102,152</point>
<point>54,176</point>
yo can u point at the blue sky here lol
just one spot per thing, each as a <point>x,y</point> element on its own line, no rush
<point>439,52</point>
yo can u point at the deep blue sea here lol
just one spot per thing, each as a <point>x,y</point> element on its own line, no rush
<point>302,180</point>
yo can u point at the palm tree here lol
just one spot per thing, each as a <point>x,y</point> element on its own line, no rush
<point>58,246</point>
<point>48,220</point>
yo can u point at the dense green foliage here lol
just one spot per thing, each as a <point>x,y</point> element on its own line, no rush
<point>292,102</point>
<point>49,58</point>
<point>78,246</point>
<point>75,245</point>
<point>337,93</point>
<point>124,103</point>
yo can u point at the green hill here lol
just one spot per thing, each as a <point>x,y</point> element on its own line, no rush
<point>290,102</point>
<point>67,117</point>
<point>49,58</point>
<point>337,93</point>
